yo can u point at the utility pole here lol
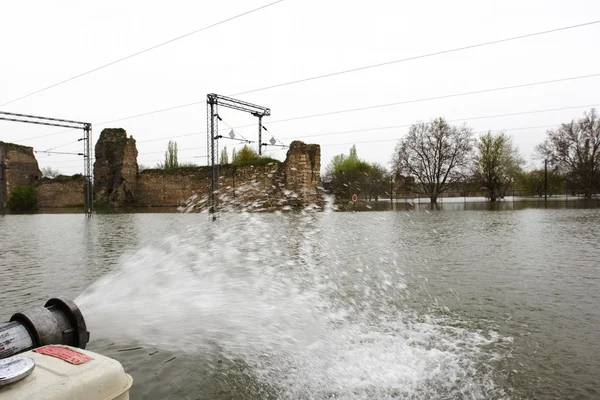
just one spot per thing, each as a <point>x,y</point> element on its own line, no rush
<point>63,123</point>
<point>545,182</point>
<point>213,102</point>
<point>2,182</point>
<point>259,134</point>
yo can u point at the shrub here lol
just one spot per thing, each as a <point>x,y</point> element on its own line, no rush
<point>23,199</point>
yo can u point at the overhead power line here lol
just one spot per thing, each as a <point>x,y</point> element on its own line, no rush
<point>437,53</point>
<point>450,120</point>
<point>385,127</point>
<point>447,96</point>
<point>322,76</point>
<point>314,77</point>
<point>391,126</point>
<point>371,107</point>
<point>476,132</point>
<point>371,66</point>
<point>142,52</point>
<point>394,126</point>
<point>326,144</point>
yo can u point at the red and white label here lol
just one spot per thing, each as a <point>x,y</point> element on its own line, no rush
<point>64,353</point>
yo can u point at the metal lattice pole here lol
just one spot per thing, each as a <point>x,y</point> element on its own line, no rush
<point>87,167</point>
<point>212,108</point>
<point>260,135</point>
<point>87,145</point>
<point>211,104</point>
<point>3,189</point>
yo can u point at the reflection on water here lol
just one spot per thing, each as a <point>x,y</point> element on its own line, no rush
<point>416,303</point>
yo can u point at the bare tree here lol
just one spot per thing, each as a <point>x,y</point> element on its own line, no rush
<point>496,163</point>
<point>574,150</point>
<point>48,172</point>
<point>436,154</point>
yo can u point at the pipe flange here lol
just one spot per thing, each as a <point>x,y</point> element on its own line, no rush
<point>81,336</point>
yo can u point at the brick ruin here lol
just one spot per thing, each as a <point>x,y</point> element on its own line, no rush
<point>20,168</point>
<point>19,165</point>
<point>294,183</point>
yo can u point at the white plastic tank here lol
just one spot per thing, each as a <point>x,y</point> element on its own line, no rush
<point>63,372</point>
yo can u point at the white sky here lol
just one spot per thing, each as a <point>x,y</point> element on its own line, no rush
<point>44,42</point>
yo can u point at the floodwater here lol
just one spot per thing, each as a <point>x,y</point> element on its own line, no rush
<point>409,304</point>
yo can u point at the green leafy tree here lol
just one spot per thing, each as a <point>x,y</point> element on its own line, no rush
<point>171,156</point>
<point>347,175</point>
<point>353,154</point>
<point>378,181</point>
<point>224,156</point>
<point>436,154</point>
<point>23,199</point>
<point>574,151</point>
<point>496,164</point>
<point>245,155</point>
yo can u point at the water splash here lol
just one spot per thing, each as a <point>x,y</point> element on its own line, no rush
<point>281,295</point>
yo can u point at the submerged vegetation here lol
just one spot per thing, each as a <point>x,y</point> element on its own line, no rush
<point>436,158</point>
<point>23,199</point>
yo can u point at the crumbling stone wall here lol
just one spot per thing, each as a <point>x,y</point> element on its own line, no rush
<point>160,188</point>
<point>20,166</point>
<point>117,181</point>
<point>240,187</point>
<point>115,169</point>
<point>295,182</point>
<point>61,192</point>
<point>300,172</point>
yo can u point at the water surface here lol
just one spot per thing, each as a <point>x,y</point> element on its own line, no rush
<point>414,303</point>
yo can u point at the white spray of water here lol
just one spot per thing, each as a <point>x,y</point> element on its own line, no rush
<point>271,296</point>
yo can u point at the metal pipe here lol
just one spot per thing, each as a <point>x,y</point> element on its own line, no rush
<point>59,322</point>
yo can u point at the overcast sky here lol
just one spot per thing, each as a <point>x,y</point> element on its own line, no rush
<point>44,42</point>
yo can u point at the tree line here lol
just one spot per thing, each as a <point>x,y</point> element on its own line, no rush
<point>436,157</point>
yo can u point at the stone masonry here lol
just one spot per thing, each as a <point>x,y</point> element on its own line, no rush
<point>20,166</point>
<point>295,183</point>
<point>115,169</point>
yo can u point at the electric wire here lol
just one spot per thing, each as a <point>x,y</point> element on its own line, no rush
<point>380,128</point>
<point>351,70</point>
<point>349,143</point>
<point>143,51</point>
<point>63,145</point>
<point>369,129</point>
<point>372,107</point>
<point>437,53</point>
<point>447,96</point>
<point>243,139</point>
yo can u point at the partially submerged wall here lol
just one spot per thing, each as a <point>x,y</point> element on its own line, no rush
<point>20,166</point>
<point>252,187</point>
<point>300,172</point>
<point>61,192</point>
<point>160,188</point>
<point>293,183</point>
<point>264,185</point>
<point>115,169</point>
